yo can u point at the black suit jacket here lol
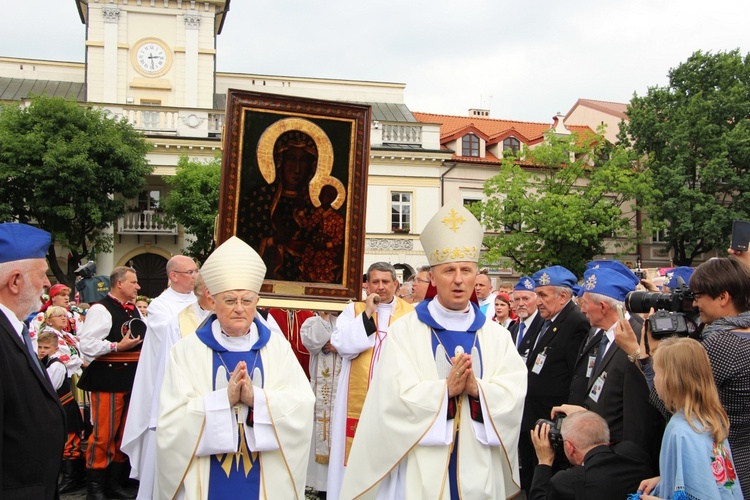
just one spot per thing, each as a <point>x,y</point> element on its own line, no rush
<point>560,344</point>
<point>32,422</point>
<point>608,472</point>
<point>579,386</point>
<point>529,336</point>
<point>624,403</point>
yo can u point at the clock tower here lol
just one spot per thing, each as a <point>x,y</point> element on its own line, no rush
<point>155,53</point>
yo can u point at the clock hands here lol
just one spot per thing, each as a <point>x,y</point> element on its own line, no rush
<point>152,57</point>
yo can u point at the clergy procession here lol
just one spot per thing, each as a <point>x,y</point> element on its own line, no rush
<point>444,389</point>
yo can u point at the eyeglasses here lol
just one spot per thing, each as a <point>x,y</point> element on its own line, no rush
<point>190,273</point>
<point>420,280</point>
<point>231,302</point>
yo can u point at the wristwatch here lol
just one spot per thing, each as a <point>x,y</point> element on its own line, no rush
<point>634,356</point>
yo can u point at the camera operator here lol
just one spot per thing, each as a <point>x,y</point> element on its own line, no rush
<point>722,295</point>
<point>599,470</point>
<point>721,291</point>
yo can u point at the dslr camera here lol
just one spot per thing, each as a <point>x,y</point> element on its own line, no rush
<point>672,309</point>
<point>555,435</point>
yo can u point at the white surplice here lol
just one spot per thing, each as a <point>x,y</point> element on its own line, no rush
<point>350,339</point>
<point>325,370</point>
<point>196,421</point>
<point>402,445</point>
<point>138,439</point>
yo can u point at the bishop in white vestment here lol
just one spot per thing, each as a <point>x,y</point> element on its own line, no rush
<point>441,419</point>
<point>236,409</point>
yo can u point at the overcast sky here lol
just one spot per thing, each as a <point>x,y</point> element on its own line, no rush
<point>522,60</point>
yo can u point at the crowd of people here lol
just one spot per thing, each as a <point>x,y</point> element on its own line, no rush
<point>438,387</point>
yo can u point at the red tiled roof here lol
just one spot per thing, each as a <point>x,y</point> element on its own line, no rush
<point>613,108</point>
<point>491,130</point>
<point>452,127</point>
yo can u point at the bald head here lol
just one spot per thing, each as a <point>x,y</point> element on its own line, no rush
<point>483,286</point>
<point>181,271</point>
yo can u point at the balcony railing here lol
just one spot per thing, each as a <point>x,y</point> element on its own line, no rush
<point>402,134</point>
<point>156,120</point>
<point>144,222</point>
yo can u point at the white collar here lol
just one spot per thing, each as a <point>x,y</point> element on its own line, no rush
<point>449,319</point>
<point>235,344</point>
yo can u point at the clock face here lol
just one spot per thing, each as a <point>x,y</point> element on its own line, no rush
<point>151,57</point>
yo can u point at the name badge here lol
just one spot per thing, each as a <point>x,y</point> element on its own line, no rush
<point>590,367</point>
<point>596,389</point>
<point>539,362</point>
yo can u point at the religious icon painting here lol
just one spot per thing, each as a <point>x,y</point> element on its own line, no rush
<point>294,187</point>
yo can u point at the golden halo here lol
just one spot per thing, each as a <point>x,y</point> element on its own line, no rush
<point>322,175</point>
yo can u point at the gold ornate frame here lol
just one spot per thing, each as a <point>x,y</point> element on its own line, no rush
<point>340,131</point>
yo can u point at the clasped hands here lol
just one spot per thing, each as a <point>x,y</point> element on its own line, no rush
<point>461,377</point>
<point>240,388</point>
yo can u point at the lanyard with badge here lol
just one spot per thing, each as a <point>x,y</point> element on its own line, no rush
<point>596,389</point>
<point>539,361</point>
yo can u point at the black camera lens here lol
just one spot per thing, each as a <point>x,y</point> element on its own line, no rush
<point>642,302</point>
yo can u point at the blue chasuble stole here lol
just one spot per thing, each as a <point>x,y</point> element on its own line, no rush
<point>450,342</point>
<point>235,475</point>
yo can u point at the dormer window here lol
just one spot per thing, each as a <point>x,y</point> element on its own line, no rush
<point>470,145</point>
<point>511,143</point>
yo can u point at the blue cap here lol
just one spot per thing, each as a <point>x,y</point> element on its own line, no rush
<point>525,284</point>
<point>20,241</point>
<point>607,281</point>
<point>554,276</point>
<point>683,272</point>
<point>615,265</point>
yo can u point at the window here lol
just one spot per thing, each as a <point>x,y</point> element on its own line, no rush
<point>660,236</point>
<point>470,145</point>
<point>400,211</point>
<point>512,143</point>
<point>150,118</point>
<point>149,200</point>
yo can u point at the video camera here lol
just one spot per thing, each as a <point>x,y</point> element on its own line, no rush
<point>672,309</point>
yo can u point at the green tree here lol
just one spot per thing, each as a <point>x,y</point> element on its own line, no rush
<point>62,166</point>
<point>193,201</point>
<point>695,136</point>
<point>558,202</point>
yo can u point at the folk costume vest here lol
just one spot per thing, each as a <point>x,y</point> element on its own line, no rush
<point>115,371</point>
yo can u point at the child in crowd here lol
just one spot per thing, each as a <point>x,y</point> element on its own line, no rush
<point>142,303</point>
<point>55,320</point>
<point>73,466</point>
<point>695,460</point>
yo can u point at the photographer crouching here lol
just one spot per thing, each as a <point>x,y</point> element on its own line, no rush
<point>599,470</point>
<point>720,289</point>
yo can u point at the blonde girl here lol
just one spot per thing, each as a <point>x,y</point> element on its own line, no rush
<point>695,460</point>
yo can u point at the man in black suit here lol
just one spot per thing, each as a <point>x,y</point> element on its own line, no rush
<point>551,358</point>
<point>529,320</point>
<point>31,417</point>
<point>614,385</point>
<point>590,347</point>
<point>599,470</point>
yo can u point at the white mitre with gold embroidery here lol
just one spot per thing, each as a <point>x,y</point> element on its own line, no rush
<point>234,265</point>
<point>452,235</point>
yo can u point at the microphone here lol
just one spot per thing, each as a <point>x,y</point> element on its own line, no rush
<point>376,300</point>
